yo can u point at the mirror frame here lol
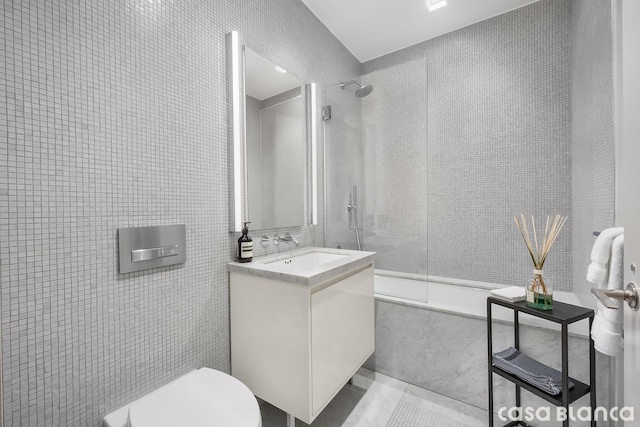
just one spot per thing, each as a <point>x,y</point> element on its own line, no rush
<point>238,203</point>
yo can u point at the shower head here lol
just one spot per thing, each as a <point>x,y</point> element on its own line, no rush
<point>362,91</point>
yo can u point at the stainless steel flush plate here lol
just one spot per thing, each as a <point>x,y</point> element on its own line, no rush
<point>142,248</point>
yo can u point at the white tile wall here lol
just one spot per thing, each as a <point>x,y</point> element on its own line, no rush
<point>593,151</point>
<point>461,133</point>
<point>113,114</point>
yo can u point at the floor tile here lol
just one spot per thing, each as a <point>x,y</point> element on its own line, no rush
<point>377,400</point>
<point>410,415</point>
<point>461,412</point>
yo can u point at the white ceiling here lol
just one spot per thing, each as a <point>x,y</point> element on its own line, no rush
<point>372,28</point>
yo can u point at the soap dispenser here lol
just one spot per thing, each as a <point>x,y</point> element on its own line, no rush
<point>245,245</point>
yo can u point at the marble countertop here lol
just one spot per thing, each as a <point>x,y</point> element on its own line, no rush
<point>264,267</point>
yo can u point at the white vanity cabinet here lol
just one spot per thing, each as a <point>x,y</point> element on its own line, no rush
<point>295,345</point>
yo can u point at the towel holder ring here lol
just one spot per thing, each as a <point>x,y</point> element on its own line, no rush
<point>630,295</point>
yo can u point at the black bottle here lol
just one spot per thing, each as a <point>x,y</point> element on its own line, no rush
<point>245,245</point>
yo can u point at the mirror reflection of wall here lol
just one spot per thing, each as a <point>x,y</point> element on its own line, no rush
<point>275,138</point>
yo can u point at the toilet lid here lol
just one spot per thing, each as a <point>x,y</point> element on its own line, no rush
<point>203,398</point>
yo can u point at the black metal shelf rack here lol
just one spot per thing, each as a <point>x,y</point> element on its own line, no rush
<point>563,314</point>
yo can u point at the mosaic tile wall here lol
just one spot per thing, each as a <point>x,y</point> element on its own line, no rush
<point>593,147</point>
<point>498,143</point>
<point>113,114</point>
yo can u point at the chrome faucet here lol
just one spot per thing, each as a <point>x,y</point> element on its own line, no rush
<point>287,238</point>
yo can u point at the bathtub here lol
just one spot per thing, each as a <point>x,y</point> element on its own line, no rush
<point>432,332</point>
<point>457,296</point>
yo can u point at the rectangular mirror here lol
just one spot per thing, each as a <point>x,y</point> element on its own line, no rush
<point>275,144</point>
<point>272,137</point>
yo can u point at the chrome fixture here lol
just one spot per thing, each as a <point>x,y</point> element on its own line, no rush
<point>287,238</point>
<point>362,91</point>
<point>141,248</point>
<point>326,112</point>
<point>352,209</point>
<point>264,241</point>
<point>140,255</point>
<point>630,295</point>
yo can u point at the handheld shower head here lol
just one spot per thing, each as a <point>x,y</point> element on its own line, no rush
<point>362,91</point>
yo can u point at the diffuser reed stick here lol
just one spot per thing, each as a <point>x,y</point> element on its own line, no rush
<point>539,250</point>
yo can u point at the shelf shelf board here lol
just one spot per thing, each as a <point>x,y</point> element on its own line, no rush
<point>560,313</point>
<point>580,389</point>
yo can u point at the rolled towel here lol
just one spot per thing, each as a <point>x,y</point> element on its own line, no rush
<point>596,326</point>
<point>608,340</point>
<point>616,281</point>
<point>606,330</point>
<point>597,270</point>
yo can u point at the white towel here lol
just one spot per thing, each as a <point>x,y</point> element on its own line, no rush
<point>511,294</point>
<point>607,325</point>
<point>597,271</point>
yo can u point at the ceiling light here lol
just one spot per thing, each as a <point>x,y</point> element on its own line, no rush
<point>279,68</point>
<point>435,4</point>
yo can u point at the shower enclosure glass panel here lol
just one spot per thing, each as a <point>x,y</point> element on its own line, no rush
<point>394,129</point>
<point>343,164</point>
<point>380,139</point>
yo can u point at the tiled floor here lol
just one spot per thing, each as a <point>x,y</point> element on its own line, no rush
<point>376,400</point>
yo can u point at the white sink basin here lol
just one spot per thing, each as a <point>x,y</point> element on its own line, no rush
<point>308,266</point>
<point>306,262</point>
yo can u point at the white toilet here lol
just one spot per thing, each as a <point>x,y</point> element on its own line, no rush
<point>202,398</point>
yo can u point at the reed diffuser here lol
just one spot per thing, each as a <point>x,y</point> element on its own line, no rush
<point>539,289</point>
